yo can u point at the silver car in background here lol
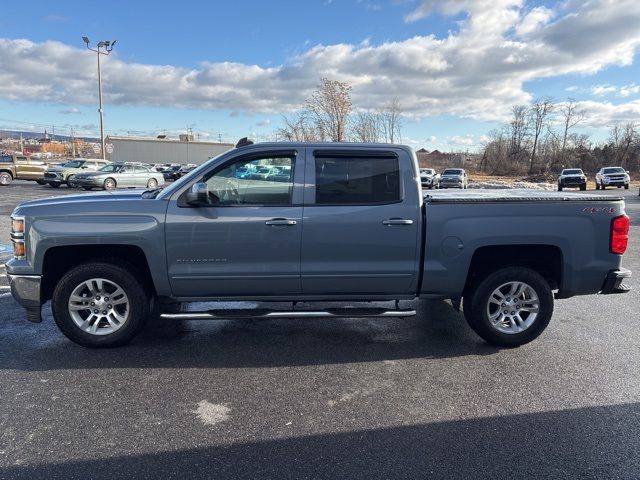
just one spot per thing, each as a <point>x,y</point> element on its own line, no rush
<point>454,178</point>
<point>612,177</point>
<point>429,178</point>
<point>120,175</point>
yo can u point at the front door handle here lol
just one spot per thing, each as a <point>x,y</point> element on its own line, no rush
<point>285,222</point>
<point>397,221</point>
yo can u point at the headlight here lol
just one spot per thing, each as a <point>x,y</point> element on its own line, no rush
<point>17,237</point>
<point>17,225</point>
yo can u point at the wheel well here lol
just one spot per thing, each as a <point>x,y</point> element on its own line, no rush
<point>2,170</point>
<point>59,260</point>
<point>544,259</point>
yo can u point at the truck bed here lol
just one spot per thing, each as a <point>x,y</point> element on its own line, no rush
<point>515,195</point>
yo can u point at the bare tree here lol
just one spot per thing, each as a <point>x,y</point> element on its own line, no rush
<point>367,127</point>
<point>300,127</point>
<point>390,116</point>
<point>330,105</point>
<point>623,137</point>
<point>538,117</point>
<point>518,130</point>
<point>571,117</point>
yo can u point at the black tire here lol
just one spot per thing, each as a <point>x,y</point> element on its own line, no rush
<point>87,188</point>
<point>559,187</point>
<point>603,187</point>
<point>597,186</point>
<point>477,298</point>
<point>41,182</point>
<point>152,183</point>
<point>583,187</point>
<point>70,182</point>
<point>125,277</point>
<point>626,187</point>
<point>54,184</point>
<point>109,184</point>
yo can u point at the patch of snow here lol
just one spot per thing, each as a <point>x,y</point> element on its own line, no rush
<point>502,185</point>
<point>211,413</point>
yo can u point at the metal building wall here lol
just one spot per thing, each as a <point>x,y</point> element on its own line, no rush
<point>163,151</point>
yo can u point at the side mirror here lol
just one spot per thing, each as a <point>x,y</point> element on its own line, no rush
<point>198,195</point>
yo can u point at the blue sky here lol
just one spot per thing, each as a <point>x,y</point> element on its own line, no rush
<point>233,68</point>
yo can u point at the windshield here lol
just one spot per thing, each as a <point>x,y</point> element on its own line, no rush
<point>74,164</point>
<point>427,171</point>
<point>614,170</point>
<point>572,171</point>
<point>452,171</point>
<point>112,168</point>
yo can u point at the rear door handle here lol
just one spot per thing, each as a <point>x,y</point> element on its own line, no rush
<point>285,222</point>
<point>397,221</point>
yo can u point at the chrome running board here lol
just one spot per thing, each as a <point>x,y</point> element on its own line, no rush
<point>267,314</point>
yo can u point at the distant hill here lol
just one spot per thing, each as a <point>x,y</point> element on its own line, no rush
<point>15,134</point>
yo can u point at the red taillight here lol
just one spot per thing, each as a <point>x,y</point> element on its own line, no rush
<point>619,234</point>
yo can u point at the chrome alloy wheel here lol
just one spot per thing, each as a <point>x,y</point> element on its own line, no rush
<point>5,178</point>
<point>99,306</point>
<point>513,307</point>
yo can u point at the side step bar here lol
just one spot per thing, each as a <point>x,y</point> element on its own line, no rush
<point>245,314</point>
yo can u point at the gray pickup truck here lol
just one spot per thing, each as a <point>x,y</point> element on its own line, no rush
<point>348,224</point>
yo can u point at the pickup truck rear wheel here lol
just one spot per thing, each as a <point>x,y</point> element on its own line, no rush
<point>100,305</point>
<point>510,307</point>
<point>5,178</point>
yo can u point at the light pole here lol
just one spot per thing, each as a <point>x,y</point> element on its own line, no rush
<point>108,47</point>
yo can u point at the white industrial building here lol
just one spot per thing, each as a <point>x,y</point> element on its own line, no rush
<point>162,150</point>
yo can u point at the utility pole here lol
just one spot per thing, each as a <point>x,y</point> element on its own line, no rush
<point>108,47</point>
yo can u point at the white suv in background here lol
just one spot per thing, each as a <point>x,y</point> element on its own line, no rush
<point>612,177</point>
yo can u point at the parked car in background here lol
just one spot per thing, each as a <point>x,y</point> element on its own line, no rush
<point>119,175</point>
<point>612,177</point>
<point>21,167</point>
<point>261,172</point>
<point>171,172</point>
<point>280,173</point>
<point>454,178</point>
<point>429,178</point>
<point>572,178</point>
<point>65,173</point>
<point>185,169</point>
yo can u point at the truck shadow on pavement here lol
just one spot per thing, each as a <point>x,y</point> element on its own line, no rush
<point>584,443</point>
<point>436,332</point>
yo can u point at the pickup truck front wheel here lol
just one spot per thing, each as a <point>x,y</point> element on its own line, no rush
<point>100,305</point>
<point>510,307</point>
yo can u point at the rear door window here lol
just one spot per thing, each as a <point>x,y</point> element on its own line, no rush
<point>357,180</point>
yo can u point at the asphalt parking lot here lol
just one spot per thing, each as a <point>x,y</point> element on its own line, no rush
<point>414,398</point>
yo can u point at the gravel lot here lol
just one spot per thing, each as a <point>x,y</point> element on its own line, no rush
<point>414,398</point>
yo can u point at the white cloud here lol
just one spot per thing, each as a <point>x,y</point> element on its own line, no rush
<point>533,20</point>
<point>627,90</point>
<point>605,114</point>
<point>70,111</point>
<point>477,72</point>
<point>460,140</point>
<point>602,90</point>
<point>622,91</point>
